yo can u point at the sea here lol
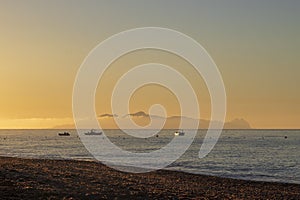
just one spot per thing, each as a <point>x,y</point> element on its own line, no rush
<point>261,155</point>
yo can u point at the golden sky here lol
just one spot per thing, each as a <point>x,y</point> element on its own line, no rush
<point>254,44</point>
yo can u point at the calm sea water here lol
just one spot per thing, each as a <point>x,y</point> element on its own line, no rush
<point>243,154</point>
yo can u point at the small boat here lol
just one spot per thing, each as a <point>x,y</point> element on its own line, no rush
<point>64,134</point>
<point>93,132</point>
<point>179,133</point>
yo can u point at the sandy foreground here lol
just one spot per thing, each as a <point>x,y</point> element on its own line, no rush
<point>69,179</point>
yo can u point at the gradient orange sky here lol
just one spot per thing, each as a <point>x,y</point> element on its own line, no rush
<point>255,44</point>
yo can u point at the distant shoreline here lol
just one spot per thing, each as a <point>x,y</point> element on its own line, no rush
<point>41,178</point>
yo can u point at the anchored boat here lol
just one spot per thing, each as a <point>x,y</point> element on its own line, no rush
<point>93,132</point>
<point>179,133</point>
<point>64,134</point>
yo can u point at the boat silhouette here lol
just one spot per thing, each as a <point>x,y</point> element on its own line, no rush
<point>93,132</point>
<point>64,134</point>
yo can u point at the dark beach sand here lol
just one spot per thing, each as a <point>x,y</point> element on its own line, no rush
<point>66,179</point>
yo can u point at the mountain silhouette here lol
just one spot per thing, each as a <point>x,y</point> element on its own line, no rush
<point>107,115</point>
<point>107,121</point>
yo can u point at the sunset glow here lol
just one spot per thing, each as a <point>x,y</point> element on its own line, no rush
<point>255,46</point>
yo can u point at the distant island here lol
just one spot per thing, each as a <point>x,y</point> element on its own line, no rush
<point>141,118</point>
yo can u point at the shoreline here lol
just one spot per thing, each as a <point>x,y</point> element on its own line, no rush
<point>25,178</point>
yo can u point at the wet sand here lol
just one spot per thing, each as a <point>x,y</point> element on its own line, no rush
<point>68,179</point>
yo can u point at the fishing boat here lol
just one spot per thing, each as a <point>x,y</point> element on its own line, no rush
<point>93,132</point>
<point>179,133</point>
<point>64,134</point>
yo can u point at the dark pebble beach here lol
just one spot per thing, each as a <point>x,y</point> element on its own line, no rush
<point>69,179</point>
